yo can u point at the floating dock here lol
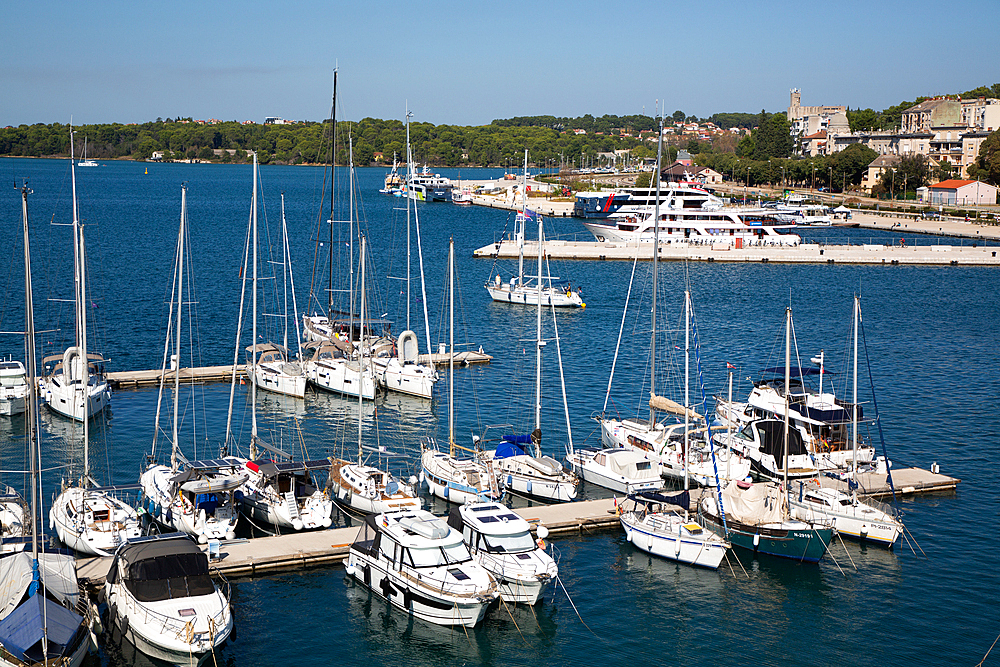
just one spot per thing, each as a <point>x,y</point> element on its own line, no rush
<point>135,379</point>
<point>804,253</point>
<point>264,555</point>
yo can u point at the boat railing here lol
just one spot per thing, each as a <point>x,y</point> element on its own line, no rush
<point>183,630</point>
<point>445,587</point>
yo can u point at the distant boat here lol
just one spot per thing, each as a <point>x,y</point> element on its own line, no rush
<point>85,162</point>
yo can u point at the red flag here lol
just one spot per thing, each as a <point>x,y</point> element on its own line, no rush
<point>729,365</point>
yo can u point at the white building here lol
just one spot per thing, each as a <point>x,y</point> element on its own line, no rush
<point>962,193</point>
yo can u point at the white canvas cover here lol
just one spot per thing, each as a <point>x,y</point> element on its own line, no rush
<point>664,404</point>
<point>407,348</point>
<point>761,503</point>
<point>623,462</point>
<point>58,572</point>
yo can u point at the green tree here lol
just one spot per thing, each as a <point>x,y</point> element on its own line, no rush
<point>773,138</point>
<point>853,162</point>
<point>679,116</point>
<point>986,167</point>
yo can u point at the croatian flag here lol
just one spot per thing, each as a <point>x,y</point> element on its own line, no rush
<point>530,216</point>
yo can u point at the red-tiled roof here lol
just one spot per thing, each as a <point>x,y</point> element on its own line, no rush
<point>950,185</point>
<point>818,135</point>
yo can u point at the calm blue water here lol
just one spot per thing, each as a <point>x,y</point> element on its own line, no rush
<point>932,341</point>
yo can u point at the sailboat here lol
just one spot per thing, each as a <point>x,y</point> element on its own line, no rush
<point>399,368</point>
<point>363,487</point>
<point>193,497</point>
<point>519,289</point>
<point>756,516</point>
<point>457,480</point>
<point>334,365</point>
<point>39,621</point>
<point>864,521</point>
<point>269,366</point>
<point>85,162</point>
<point>532,474</point>
<point>74,384</point>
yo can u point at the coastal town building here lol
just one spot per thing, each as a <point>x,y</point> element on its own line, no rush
<point>962,193</point>
<point>812,120</point>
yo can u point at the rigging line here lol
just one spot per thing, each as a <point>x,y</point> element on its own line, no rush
<point>559,579</point>
<point>988,652</point>
<point>621,330</point>
<point>846,551</point>
<point>507,609</point>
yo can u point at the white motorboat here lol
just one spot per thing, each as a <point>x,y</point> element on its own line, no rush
<point>162,598</point>
<point>74,384</point>
<point>502,543</point>
<point>425,186</point>
<point>821,418</point>
<point>690,214</point>
<point>398,368</point>
<point>671,534</point>
<point>762,442</point>
<point>531,290</point>
<point>421,565</point>
<point>13,388</point>
<point>283,494</point>
<point>622,470</point>
<point>41,624</point>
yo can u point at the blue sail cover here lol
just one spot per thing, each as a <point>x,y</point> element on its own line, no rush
<point>517,439</point>
<point>507,448</point>
<point>22,631</point>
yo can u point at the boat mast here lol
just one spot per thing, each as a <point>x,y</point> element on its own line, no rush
<point>538,323</point>
<point>253,340</point>
<point>333,188</point>
<point>409,173</point>
<point>350,216</point>
<point>31,408</point>
<point>291,282</point>
<point>451,345</point>
<point>521,231</point>
<point>177,341</point>
<point>854,408</point>
<point>420,250</point>
<point>361,355</point>
<point>656,253</point>
<point>687,365</point>
<point>788,383</point>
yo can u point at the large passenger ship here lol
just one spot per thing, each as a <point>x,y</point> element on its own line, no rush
<point>690,214</point>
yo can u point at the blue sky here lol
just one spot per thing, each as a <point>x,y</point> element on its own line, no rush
<point>468,63</point>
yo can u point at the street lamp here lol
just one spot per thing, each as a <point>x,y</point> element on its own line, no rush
<point>814,178</point>
<point>746,183</point>
<point>892,192</point>
<point>831,178</point>
<point>782,176</point>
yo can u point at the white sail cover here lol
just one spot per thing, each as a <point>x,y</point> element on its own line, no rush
<point>58,572</point>
<point>623,462</point>
<point>761,503</point>
<point>664,404</point>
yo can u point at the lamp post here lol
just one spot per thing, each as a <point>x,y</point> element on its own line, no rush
<point>814,179</point>
<point>782,176</point>
<point>746,184</point>
<point>831,178</point>
<point>892,192</point>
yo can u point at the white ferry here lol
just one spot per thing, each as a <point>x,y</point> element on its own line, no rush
<point>690,214</point>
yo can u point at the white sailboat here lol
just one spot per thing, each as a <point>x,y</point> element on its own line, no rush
<point>269,365</point>
<point>85,162</point>
<point>193,497</point>
<point>457,480</point>
<point>673,534</point>
<point>532,474</point>
<point>520,289</point>
<point>399,368</point>
<point>39,622</point>
<point>336,348</point>
<point>362,487</point>
<point>866,521</point>
<point>74,384</point>
<point>13,388</point>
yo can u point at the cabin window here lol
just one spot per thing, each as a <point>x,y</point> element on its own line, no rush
<point>170,576</point>
<point>515,543</point>
<point>642,465</point>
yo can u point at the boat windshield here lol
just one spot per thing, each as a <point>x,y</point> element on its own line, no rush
<point>13,380</point>
<point>436,556</point>
<point>509,544</point>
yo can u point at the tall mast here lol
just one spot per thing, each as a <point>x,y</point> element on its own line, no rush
<point>420,251</point>
<point>361,355</point>
<point>177,342</point>
<point>31,408</point>
<point>656,253</point>
<point>253,340</point>
<point>350,253</point>
<point>687,367</point>
<point>451,346</point>
<point>538,325</point>
<point>854,408</point>
<point>409,172</point>
<point>291,282</point>
<point>521,229</point>
<point>788,382</point>
<point>333,187</point>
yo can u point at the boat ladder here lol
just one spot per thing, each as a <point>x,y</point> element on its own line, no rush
<point>291,505</point>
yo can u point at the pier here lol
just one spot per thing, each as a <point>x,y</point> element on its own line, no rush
<point>293,551</point>
<point>136,379</point>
